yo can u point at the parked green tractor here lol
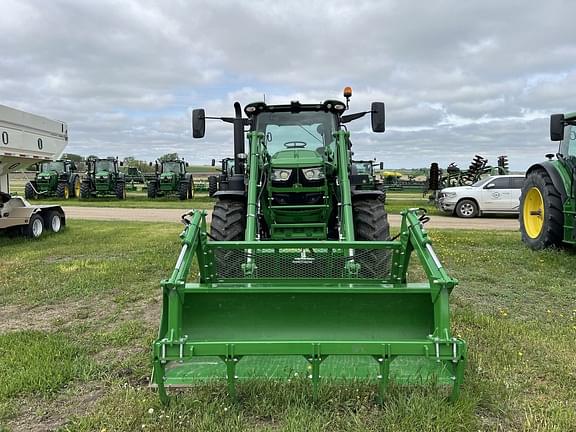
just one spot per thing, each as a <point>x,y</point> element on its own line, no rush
<point>548,200</point>
<point>298,274</point>
<point>103,177</point>
<point>58,178</point>
<point>220,182</point>
<point>363,177</point>
<point>171,179</point>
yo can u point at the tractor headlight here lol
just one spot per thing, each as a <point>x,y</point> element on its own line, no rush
<point>281,174</point>
<point>315,173</point>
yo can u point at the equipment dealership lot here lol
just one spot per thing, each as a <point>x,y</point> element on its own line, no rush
<point>90,297</point>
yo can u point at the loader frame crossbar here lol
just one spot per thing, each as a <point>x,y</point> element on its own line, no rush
<point>228,318</point>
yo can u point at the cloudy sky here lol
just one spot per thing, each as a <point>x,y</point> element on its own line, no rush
<point>457,77</point>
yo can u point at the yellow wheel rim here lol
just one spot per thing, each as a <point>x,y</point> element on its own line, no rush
<point>533,213</point>
<point>66,192</point>
<point>77,188</point>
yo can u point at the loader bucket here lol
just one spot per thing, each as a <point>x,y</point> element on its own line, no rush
<point>276,309</point>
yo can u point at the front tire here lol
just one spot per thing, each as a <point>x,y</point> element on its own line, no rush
<point>541,215</point>
<point>121,191</point>
<point>466,209</point>
<point>228,224</point>
<point>183,191</point>
<point>29,192</point>
<point>152,190</point>
<point>63,191</point>
<point>371,223</point>
<point>212,185</point>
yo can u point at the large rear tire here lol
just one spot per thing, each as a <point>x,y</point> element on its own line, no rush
<point>152,190</point>
<point>75,187</point>
<point>183,191</point>
<point>371,223</point>
<point>228,224</point>
<point>121,190</point>
<point>541,216</point>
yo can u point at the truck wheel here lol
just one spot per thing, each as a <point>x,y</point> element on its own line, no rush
<point>35,227</point>
<point>212,185</point>
<point>371,223</point>
<point>85,190</point>
<point>53,221</point>
<point>76,187</point>
<point>29,192</point>
<point>152,190</point>
<point>120,190</point>
<point>63,190</point>
<point>183,191</point>
<point>228,224</point>
<point>466,209</point>
<point>541,216</point>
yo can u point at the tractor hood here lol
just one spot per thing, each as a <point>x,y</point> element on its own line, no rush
<point>45,176</point>
<point>296,158</point>
<point>101,174</point>
<point>167,175</point>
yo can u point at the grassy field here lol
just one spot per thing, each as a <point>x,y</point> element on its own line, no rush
<point>78,312</point>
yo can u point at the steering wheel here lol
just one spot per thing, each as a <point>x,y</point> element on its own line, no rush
<point>295,144</point>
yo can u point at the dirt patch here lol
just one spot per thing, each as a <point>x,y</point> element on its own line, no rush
<point>37,414</point>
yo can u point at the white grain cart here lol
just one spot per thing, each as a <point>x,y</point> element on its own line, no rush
<point>26,139</point>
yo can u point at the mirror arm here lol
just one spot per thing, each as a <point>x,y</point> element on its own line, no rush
<point>350,117</point>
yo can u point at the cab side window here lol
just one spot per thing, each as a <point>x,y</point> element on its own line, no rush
<point>499,183</point>
<point>572,142</point>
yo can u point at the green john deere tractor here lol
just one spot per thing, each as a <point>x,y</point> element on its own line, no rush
<point>171,179</point>
<point>103,177</point>
<point>363,177</point>
<point>58,178</point>
<point>298,273</point>
<point>548,200</point>
<point>220,182</point>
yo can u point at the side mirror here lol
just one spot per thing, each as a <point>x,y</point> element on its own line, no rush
<point>198,123</point>
<point>187,164</point>
<point>150,164</point>
<point>557,127</point>
<point>121,163</point>
<point>381,165</point>
<point>213,162</point>
<point>378,117</point>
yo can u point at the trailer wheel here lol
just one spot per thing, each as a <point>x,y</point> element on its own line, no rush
<point>212,185</point>
<point>29,192</point>
<point>53,221</point>
<point>85,190</point>
<point>183,191</point>
<point>35,227</point>
<point>152,190</point>
<point>371,223</point>
<point>63,190</point>
<point>541,216</point>
<point>120,190</point>
<point>228,224</point>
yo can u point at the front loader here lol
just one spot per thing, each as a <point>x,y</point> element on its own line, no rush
<point>298,272</point>
<point>548,199</point>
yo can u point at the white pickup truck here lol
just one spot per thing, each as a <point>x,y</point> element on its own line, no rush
<point>494,194</point>
<point>26,139</point>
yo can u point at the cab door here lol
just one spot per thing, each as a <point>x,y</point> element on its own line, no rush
<point>496,195</point>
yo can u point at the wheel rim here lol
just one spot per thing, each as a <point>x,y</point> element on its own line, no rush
<point>37,227</point>
<point>77,187</point>
<point>55,223</point>
<point>66,192</point>
<point>466,209</point>
<point>533,213</point>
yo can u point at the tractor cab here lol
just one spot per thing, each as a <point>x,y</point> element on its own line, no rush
<point>49,173</point>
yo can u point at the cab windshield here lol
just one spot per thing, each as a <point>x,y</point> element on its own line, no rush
<point>105,165</point>
<point>307,129</point>
<point>362,168</point>
<point>53,166</point>
<point>171,167</point>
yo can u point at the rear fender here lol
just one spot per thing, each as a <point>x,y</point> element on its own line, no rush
<point>554,175</point>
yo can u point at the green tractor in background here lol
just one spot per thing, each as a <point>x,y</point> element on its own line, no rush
<point>171,178</point>
<point>548,200</point>
<point>363,177</point>
<point>103,177</point>
<point>58,178</point>
<point>220,182</point>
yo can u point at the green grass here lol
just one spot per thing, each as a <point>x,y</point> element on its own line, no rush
<point>516,309</point>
